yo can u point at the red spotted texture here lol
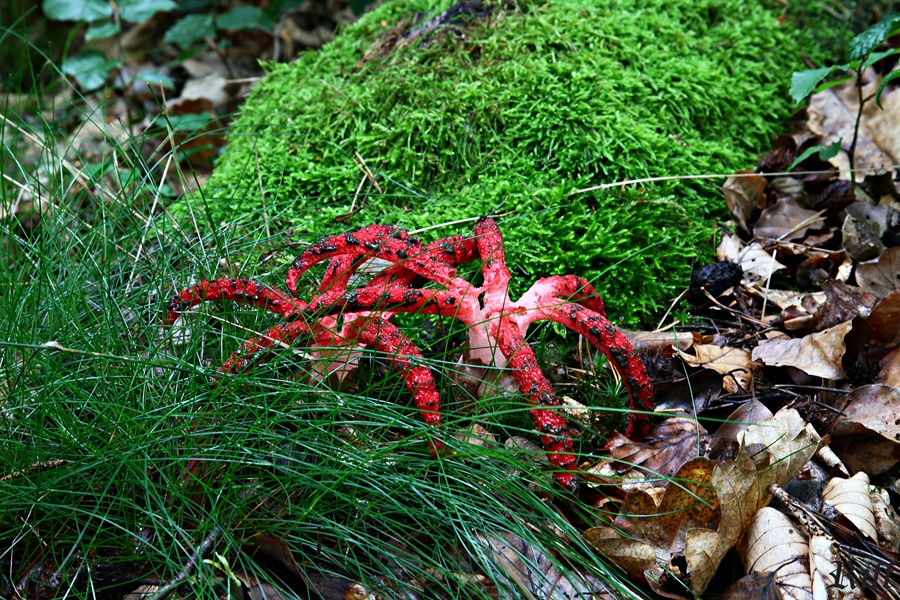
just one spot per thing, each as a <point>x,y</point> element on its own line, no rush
<point>551,426</point>
<point>410,363</point>
<point>360,317</point>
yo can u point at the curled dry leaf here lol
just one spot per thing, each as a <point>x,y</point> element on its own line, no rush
<point>737,422</point>
<point>735,364</point>
<point>817,354</point>
<point>887,524</point>
<point>774,544</point>
<point>867,435</point>
<point>658,341</point>
<point>783,445</point>
<point>850,497</point>
<point>744,191</point>
<point>880,276</point>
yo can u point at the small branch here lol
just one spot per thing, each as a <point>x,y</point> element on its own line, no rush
<point>208,542</point>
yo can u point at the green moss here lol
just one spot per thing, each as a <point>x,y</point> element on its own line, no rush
<point>514,112</point>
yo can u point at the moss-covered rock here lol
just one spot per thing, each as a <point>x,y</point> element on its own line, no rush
<point>509,111</point>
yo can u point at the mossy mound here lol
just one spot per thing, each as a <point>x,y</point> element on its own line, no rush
<point>512,109</point>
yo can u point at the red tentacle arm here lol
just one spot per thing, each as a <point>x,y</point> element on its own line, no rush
<point>546,293</point>
<point>394,300</point>
<point>553,428</point>
<point>375,241</point>
<point>257,350</point>
<point>406,359</point>
<point>247,291</point>
<point>601,334</point>
<point>493,261</point>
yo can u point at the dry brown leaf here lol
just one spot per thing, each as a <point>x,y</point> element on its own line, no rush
<point>832,116</point>
<point>774,544</point>
<point>691,502</point>
<point>744,193</point>
<point>729,248</point>
<point>734,363</point>
<point>890,370</point>
<point>880,276</point>
<point>633,555</point>
<point>842,303</point>
<point>850,497</point>
<point>867,435</point>
<point>675,442</point>
<point>885,320</point>
<point>740,496</point>
<point>817,354</point>
<point>861,238</point>
<point>876,407</point>
<point>758,265</point>
<point>786,219</point>
<point>883,124</point>
<point>756,586</point>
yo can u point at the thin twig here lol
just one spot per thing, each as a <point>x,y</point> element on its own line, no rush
<point>208,542</point>
<point>606,186</point>
<point>734,311</point>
